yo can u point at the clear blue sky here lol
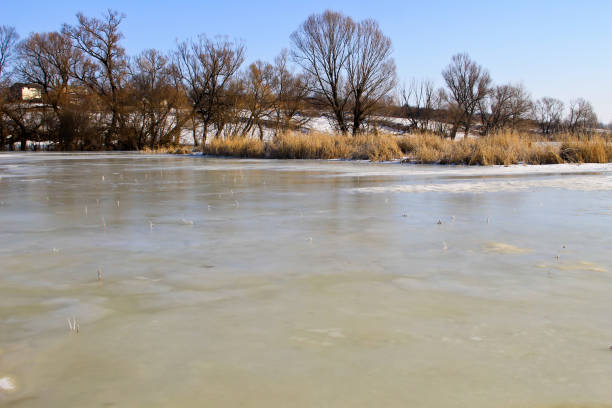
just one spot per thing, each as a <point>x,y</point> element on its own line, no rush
<point>555,48</point>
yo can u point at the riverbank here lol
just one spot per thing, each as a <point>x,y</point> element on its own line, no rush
<point>498,149</point>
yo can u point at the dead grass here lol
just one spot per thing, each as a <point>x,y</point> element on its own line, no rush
<point>500,149</point>
<point>505,149</point>
<point>592,150</point>
<point>236,147</point>
<point>313,146</point>
<point>375,147</point>
<point>293,145</point>
<point>180,149</point>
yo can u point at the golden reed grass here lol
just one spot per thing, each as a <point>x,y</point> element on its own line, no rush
<point>293,145</point>
<point>503,148</point>
<point>500,149</point>
<point>180,149</point>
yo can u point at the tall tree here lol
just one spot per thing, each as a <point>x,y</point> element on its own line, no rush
<point>468,84</point>
<point>504,107</point>
<point>259,96</point>
<point>48,60</point>
<point>419,102</point>
<point>549,114</point>
<point>8,40</point>
<point>322,46</point>
<point>157,101</point>
<point>370,70</point>
<point>105,70</point>
<point>581,116</point>
<point>290,91</point>
<point>207,68</point>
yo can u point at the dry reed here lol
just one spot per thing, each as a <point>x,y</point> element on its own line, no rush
<point>504,148</point>
<point>180,149</point>
<point>293,145</point>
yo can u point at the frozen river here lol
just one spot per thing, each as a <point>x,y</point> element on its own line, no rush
<point>302,283</point>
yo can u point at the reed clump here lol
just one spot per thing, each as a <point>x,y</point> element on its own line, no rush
<point>503,148</point>
<point>315,145</point>
<point>178,149</point>
<point>594,149</point>
<point>381,147</point>
<point>242,147</point>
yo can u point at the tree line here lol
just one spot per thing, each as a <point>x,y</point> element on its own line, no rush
<point>94,96</point>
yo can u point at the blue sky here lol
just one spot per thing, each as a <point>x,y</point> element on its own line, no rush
<point>555,48</point>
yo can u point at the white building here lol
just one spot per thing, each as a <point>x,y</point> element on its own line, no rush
<point>26,92</point>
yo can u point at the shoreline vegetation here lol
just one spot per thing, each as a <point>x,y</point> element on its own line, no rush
<point>504,148</point>
<point>334,94</point>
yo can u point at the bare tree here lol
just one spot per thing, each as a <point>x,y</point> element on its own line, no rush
<point>521,107</point>
<point>105,70</point>
<point>441,116</point>
<point>581,116</point>
<point>157,118</point>
<point>207,68</point>
<point>22,121</point>
<point>504,107</point>
<point>468,84</point>
<point>549,113</point>
<point>230,120</point>
<point>322,46</point>
<point>290,91</point>
<point>8,41</point>
<point>259,96</point>
<point>370,70</point>
<point>419,102</point>
<point>48,60</point>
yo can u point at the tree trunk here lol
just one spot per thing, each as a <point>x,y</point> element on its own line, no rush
<point>204,134</point>
<point>468,125</point>
<point>357,114</point>
<point>219,131</point>
<point>110,131</point>
<point>195,138</point>
<point>454,129</point>
<point>356,122</point>
<point>340,119</point>
<point>2,137</point>
<point>261,132</point>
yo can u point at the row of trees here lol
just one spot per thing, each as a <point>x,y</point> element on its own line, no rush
<point>94,96</point>
<point>471,99</point>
